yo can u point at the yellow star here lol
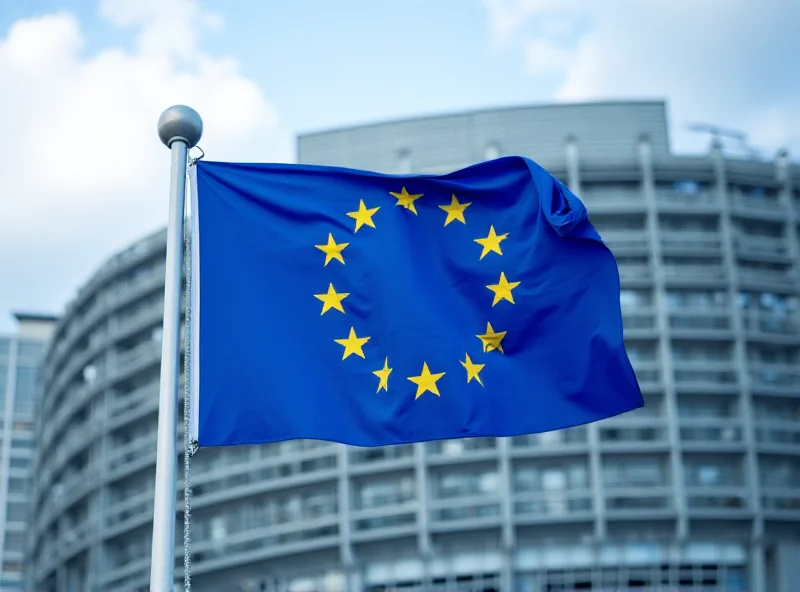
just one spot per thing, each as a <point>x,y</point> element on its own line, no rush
<point>502,289</point>
<point>383,374</point>
<point>491,242</point>
<point>426,381</point>
<point>473,370</point>
<point>331,300</point>
<point>332,250</point>
<point>491,340</point>
<point>363,215</point>
<point>455,211</point>
<point>353,344</point>
<point>406,199</point>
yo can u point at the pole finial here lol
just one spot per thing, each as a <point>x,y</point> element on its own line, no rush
<point>180,123</point>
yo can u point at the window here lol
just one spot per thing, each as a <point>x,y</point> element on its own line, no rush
<point>18,485</point>
<point>712,473</point>
<point>686,186</point>
<point>20,463</point>
<point>463,484</point>
<point>690,351</point>
<point>634,473</point>
<point>677,299</point>
<point>376,494</point>
<point>15,541</point>
<point>631,299</point>
<point>26,390</point>
<point>17,512</point>
<point>543,477</point>
<point>30,351</point>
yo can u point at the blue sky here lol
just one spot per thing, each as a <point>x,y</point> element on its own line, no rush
<point>85,80</point>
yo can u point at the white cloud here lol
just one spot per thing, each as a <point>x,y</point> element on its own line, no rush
<point>727,62</point>
<point>83,170</point>
<point>508,17</point>
<point>543,57</point>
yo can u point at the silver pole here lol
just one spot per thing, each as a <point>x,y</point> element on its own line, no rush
<point>180,128</point>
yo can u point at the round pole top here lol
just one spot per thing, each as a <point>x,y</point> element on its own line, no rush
<point>180,123</point>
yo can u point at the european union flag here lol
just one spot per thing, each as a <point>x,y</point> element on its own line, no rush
<point>372,309</point>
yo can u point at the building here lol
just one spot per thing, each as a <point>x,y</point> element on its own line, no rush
<point>20,355</point>
<point>699,490</point>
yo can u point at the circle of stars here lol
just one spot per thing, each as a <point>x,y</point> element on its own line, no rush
<point>353,344</point>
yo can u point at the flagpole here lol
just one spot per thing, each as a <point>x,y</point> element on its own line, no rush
<point>179,128</point>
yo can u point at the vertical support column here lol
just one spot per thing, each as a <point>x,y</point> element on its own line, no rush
<point>792,211</point>
<point>5,445</point>
<point>740,362</point>
<point>665,342</point>
<point>572,156</point>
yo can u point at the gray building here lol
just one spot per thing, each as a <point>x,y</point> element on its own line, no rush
<point>699,490</point>
<point>20,355</point>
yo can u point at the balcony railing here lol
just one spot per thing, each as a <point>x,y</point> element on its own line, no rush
<point>554,504</point>
<point>750,202</point>
<point>639,272</point>
<point>698,198</point>
<point>767,245</point>
<point>710,431</point>
<point>694,272</point>
<point>625,239</point>
<point>638,319</point>
<point>694,240</point>
<point>778,433</point>
<point>704,321</point>
<point>640,499</point>
<point>773,277</point>
<point>762,322</point>
<point>717,498</point>
<point>556,440</point>
<point>778,376</point>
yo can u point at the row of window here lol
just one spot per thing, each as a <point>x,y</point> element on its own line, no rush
<point>631,299</point>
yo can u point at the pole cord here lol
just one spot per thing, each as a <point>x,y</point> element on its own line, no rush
<point>188,445</point>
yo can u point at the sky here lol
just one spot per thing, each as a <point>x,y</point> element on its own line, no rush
<point>83,82</point>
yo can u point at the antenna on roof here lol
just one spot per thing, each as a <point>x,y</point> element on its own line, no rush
<point>718,133</point>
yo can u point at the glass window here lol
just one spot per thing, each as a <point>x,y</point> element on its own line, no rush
<point>686,186</point>
<point>30,350</point>
<point>630,299</point>
<point>633,473</point>
<point>17,512</point>
<point>709,473</point>
<point>15,541</point>
<point>25,390</point>
<point>20,463</point>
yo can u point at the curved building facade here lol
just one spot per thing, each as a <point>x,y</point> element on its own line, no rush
<point>699,490</point>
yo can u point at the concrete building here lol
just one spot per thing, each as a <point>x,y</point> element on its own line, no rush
<point>699,490</point>
<point>20,355</point>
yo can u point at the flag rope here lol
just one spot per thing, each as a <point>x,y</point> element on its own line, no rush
<point>190,447</point>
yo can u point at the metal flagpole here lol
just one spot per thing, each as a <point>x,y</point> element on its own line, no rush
<point>179,128</point>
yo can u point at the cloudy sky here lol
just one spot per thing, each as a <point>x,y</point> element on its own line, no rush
<point>82,83</point>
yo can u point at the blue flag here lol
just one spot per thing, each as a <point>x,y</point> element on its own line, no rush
<point>371,309</point>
